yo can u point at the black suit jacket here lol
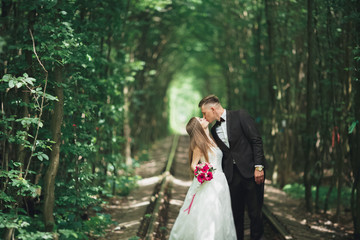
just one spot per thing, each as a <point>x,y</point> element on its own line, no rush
<point>246,146</point>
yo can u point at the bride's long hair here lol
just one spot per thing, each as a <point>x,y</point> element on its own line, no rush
<point>198,138</point>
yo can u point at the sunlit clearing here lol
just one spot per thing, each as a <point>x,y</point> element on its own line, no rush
<point>183,103</point>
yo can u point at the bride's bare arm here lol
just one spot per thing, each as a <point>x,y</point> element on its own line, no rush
<point>195,158</point>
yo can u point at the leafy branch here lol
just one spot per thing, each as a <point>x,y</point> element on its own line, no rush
<point>41,106</point>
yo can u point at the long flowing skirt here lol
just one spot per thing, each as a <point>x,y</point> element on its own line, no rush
<point>206,213</point>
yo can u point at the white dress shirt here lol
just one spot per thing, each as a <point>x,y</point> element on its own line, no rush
<point>222,130</point>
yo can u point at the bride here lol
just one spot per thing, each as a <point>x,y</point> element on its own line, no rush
<point>206,213</point>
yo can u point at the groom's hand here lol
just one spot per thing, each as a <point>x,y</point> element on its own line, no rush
<point>259,177</point>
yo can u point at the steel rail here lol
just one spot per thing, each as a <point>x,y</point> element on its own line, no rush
<point>166,179</point>
<point>284,232</point>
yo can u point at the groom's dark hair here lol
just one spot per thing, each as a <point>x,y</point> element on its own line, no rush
<point>209,99</point>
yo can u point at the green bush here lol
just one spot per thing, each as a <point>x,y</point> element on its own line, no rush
<point>296,190</point>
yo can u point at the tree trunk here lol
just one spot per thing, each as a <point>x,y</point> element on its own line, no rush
<point>321,155</point>
<point>340,159</point>
<point>49,179</point>
<point>354,140</point>
<point>326,201</point>
<point>114,179</point>
<point>8,235</point>
<point>28,59</point>
<point>269,22</point>
<point>127,129</point>
<point>309,86</point>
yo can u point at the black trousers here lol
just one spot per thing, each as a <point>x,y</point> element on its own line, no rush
<point>245,191</point>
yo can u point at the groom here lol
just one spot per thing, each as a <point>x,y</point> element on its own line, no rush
<point>243,162</point>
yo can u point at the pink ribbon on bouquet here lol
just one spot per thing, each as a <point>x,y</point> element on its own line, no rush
<point>188,209</point>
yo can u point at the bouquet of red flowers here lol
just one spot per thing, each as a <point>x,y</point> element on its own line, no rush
<point>204,172</point>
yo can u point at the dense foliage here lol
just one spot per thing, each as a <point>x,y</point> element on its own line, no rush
<point>90,90</point>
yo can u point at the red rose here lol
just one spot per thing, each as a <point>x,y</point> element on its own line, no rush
<point>205,168</point>
<point>209,176</point>
<point>201,177</point>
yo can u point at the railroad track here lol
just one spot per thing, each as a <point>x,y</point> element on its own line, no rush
<point>170,191</point>
<point>153,222</point>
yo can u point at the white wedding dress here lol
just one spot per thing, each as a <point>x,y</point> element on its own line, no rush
<point>210,215</point>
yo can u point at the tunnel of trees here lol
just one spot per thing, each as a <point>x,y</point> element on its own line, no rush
<point>87,86</point>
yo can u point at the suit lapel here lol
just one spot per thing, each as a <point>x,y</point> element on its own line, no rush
<point>220,143</point>
<point>228,122</point>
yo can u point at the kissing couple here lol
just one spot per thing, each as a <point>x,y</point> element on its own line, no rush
<point>228,167</point>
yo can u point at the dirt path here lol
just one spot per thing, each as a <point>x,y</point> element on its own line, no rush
<point>303,225</point>
<point>128,211</point>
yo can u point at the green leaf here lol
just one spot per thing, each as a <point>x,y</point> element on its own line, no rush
<point>17,164</point>
<point>68,233</point>
<point>45,156</point>
<point>51,97</point>
<point>6,77</point>
<point>11,84</point>
<point>352,126</point>
<point>30,81</point>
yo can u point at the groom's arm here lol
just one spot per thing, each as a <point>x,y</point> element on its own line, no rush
<point>252,134</point>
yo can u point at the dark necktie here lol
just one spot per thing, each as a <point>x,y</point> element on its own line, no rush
<point>221,120</point>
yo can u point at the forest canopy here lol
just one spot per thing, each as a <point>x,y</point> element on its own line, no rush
<point>86,86</point>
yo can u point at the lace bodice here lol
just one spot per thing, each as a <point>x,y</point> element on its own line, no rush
<point>215,158</point>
